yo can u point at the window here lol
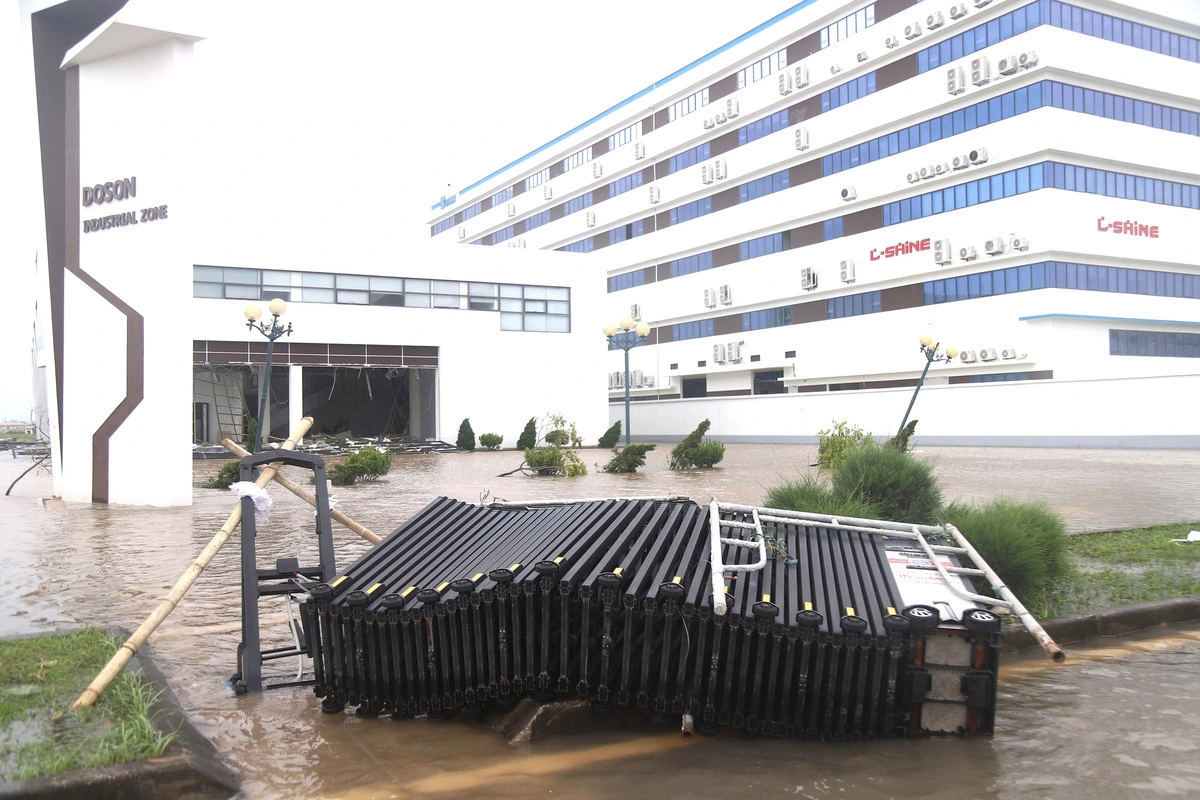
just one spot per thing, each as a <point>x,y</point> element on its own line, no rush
<point>582,246</point>
<point>537,179</point>
<point>696,208</point>
<point>767,318</point>
<point>853,305</point>
<point>692,330</point>
<point>763,127</point>
<point>762,68</point>
<point>501,197</point>
<point>690,264</point>
<point>627,281</point>
<point>1160,344</point>
<point>623,185</point>
<point>444,225</point>
<point>1061,275</point>
<point>535,308</point>
<point>472,211</point>
<point>502,235</point>
<point>848,92</point>
<point>625,135</point>
<point>577,159</point>
<point>624,232</point>
<point>848,26</point>
<point>681,108</point>
<point>762,246</point>
<point>537,220</point>
<point>762,186</point>
<point>688,158</point>
<point>769,382</point>
<point>577,204</point>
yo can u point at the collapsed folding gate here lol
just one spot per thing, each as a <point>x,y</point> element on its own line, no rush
<point>817,627</point>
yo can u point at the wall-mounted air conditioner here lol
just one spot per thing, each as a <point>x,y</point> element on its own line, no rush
<point>649,381</point>
<point>935,21</point>
<point>1007,65</point>
<point>960,162</point>
<point>943,253</point>
<point>709,123</point>
<point>981,71</point>
<point>710,298</point>
<point>834,69</point>
<point>862,56</point>
<point>800,75</point>
<point>726,295</point>
<point>914,176</point>
<point>849,193</point>
<point>547,192</point>
<point>462,232</point>
<point>926,172</point>
<point>801,138</point>
<point>912,30</point>
<point>808,278</point>
<point>518,243</point>
<point>941,169</point>
<point>785,83</point>
<point>512,209</point>
<point>655,195</point>
<point>706,174</point>
<point>718,354</point>
<point>719,169</point>
<point>590,219</point>
<point>618,379</point>
<point>987,355</point>
<point>982,3</point>
<point>958,11</point>
<point>635,311</point>
<point>967,253</point>
<point>635,379</point>
<point>966,356</point>
<point>846,268</point>
<point>597,169</point>
<point>639,150</point>
<point>1020,243</point>
<point>1009,353</point>
<point>733,352</point>
<point>731,107</point>
<point>956,82</point>
<point>978,156</point>
<point>891,42</point>
<point>1027,60</point>
<point>996,246</point>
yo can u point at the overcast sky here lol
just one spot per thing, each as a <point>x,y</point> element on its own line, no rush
<point>325,137</point>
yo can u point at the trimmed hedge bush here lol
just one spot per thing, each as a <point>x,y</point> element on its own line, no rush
<point>628,458</point>
<point>529,436</point>
<point>810,494</point>
<point>1025,543</point>
<point>225,476</point>
<point>900,487</point>
<point>708,453</point>
<point>611,436</point>
<point>694,451</point>
<point>367,464</point>
<point>466,436</point>
<point>491,441</point>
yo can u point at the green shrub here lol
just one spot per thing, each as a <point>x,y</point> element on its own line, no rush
<point>901,487</point>
<point>628,458</point>
<point>554,461</point>
<point>557,438</point>
<point>226,475</point>
<point>611,436</point>
<point>528,437</point>
<point>688,453</point>
<point>251,429</point>
<point>833,443</point>
<point>466,436</point>
<point>491,440</point>
<point>809,494</point>
<point>900,440</point>
<point>366,465</point>
<point>1025,543</point>
<point>709,452</point>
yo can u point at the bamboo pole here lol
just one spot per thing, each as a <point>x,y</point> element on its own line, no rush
<point>117,663</point>
<point>306,496</point>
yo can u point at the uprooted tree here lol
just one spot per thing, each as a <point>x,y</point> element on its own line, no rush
<point>559,456</point>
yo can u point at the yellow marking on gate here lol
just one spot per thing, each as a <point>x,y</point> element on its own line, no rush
<point>339,580</point>
<point>373,588</point>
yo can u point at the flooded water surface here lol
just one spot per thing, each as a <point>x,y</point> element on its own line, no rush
<point>1120,719</point>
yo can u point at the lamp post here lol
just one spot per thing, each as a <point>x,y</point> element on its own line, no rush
<point>929,349</point>
<point>275,330</point>
<point>627,338</point>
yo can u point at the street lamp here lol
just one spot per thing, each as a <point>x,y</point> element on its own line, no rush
<point>253,311</point>
<point>627,338</point>
<point>929,348</point>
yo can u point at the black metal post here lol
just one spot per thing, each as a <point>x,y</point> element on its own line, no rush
<point>627,340</point>
<point>930,351</point>
<point>272,333</point>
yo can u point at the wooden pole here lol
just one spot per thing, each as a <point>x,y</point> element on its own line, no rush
<point>139,637</point>
<point>306,496</point>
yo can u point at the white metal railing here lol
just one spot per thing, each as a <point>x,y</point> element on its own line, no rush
<point>719,568</point>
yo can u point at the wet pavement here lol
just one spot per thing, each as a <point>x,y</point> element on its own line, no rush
<point>1120,719</point>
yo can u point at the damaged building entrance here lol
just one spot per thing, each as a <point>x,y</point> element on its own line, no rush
<point>383,390</point>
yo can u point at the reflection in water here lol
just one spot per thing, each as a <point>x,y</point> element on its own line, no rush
<point>1122,724</point>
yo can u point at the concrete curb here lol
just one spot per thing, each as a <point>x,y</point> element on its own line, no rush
<point>191,768</point>
<point>1109,622</point>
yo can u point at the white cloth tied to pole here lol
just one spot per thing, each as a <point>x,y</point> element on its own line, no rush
<point>262,500</point>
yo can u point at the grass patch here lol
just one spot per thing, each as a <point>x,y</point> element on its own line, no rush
<point>40,734</point>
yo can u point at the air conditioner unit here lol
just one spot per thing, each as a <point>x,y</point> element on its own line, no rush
<point>597,169</point>
<point>926,172</point>
<point>801,76</point>
<point>709,123</point>
<point>935,21</point>
<point>912,30</point>
<point>718,354</point>
<point>914,176</point>
<point>649,381</point>
<point>519,243</point>
<point>847,270</point>
<point>862,56</point>
<point>655,195</point>
<point>618,379</point>
<point>987,355</point>
<point>958,11</point>
<point>710,298</point>
<point>941,169</point>
<point>996,246</point>
<point>1027,60</point>
<point>1020,243</point>
<point>706,173</point>
<point>639,150</point>
<point>731,107</point>
<point>834,69</point>
<point>785,83</point>
<point>849,193</point>
<point>981,71</point>
<point>512,209</point>
<point>611,384</point>
<point>967,253</point>
<point>547,192</point>
<point>720,118</point>
<point>719,169</point>
<point>635,379</point>
<point>956,82</point>
<point>808,278</point>
<point>733,352</point>
<point>943,253</point>
<point>982,3</point>
<point>891,42</point>
<point>961,162</point>
<point>462,232</point>
<point>801,138</point>
<point>726,295</point>
<point>635,311</point>
<point>1008,353</point>
<point>967,356</point>
<point>977,156</point>
<point>590,219</point>
<point>1007,65</point>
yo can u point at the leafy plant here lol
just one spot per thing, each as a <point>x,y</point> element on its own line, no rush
<point>611,436</point>
<point>559,425</point>
<point>558,438</point>
<point>709,452</point>
<point>226,475</point>
<point>690,452</point>
<point>834,443</point>
<point>901,487</point>
<point>554,461</point>
<point>628,458</point>
<point>251,430</point>
<point>365,465</point>
<point>466,436</point>
<point>900,440</point>
<point>811,495</point>
<point>528,437</point>
<point>491,440</point>
<point>1025,543</point>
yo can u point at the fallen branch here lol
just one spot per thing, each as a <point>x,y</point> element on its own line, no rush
<point>36,464</point>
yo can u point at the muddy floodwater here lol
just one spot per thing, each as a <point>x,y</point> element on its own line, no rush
<point>1120,719</point>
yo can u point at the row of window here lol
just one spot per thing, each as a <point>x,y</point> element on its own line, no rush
<point>537,178</point>
<point>686,105</point>
<point>848,92</point>
<point>767,318</point>
<point>854,305</point>
<point>628,231</point>
<point>688,265</point>
<point>761,68</point>
<point>444,225</point>
<point>691,330</point>
<point>503,235</point>
<point>582,246</point>
<point>847,26</point>
<point>1162,344</point>
<point>999,377</point>
<point>577,203</point>
<point>1061,275</point>
<point>577,159</point>
<point>537,220</point>
<point>763,127</point>
<point>688,158</point>
<point>627,281</point>
<point>625,135</point>
<point>696,208</point>
<point>501,197</point>
<point>768,184</point>
<point>471,211</point>
<point>761,246</point>
<point>622,185</point>
<point>522,308</point>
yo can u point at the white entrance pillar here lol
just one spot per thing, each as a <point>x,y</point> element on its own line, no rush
<point>295,396</point>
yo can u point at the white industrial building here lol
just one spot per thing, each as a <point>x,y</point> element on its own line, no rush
<point>791,212</point>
